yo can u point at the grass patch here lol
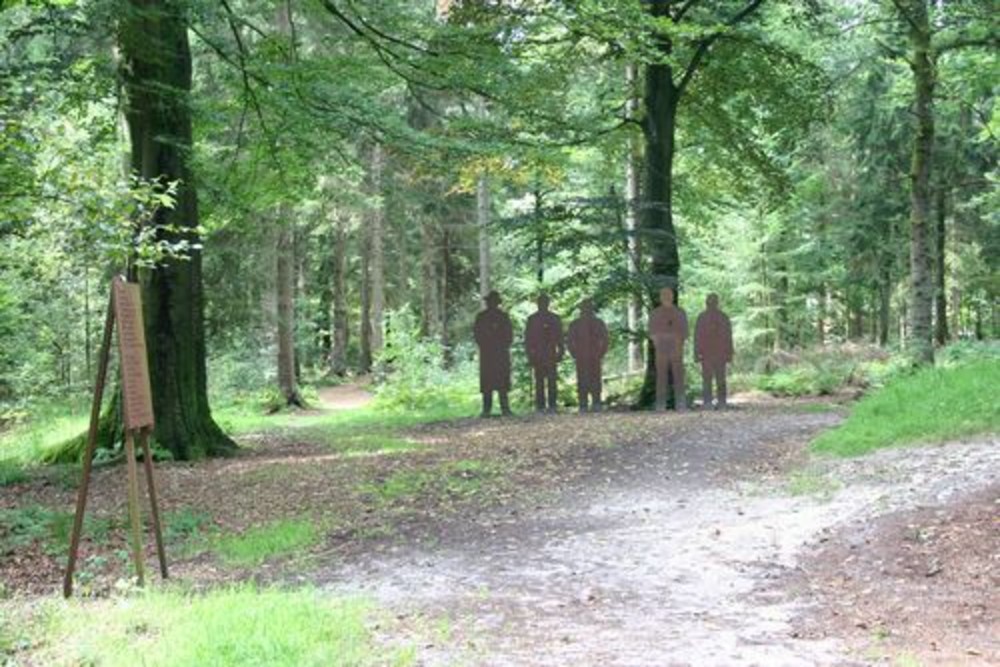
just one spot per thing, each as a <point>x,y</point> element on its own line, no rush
<point>933,404</point>
<point>262,543</point>
<point>233,626</point>
<point>807,482</point>
<point>241,419</point>
<point>45,432</point>
<point>460,479</point>
<point>22,526</point>
<point>11,473</point>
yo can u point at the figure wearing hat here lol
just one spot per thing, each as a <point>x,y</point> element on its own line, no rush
<point>494,335</point>
<point>668,329</point>
<point>713,348</point>
<point>587,340</point>
<point>543,342</point>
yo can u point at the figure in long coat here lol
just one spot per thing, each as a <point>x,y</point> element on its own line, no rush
<point>587,340</point>
<point>543,342</point>
<point>668,329</point>
<point>713,348</point>
<point>494,335</point>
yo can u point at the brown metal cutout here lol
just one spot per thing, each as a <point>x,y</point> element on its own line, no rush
<point>494,335</point>
<point>543,341</point>
<point>587,341</point>
<point>713,348</point>
<point>668,329</point>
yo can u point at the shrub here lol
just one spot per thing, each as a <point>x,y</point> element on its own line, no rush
<point>416,376</point>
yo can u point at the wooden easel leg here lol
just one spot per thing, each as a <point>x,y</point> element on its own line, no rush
<point>147,460</point>
<point>133,507</point>
<point>88,453</point>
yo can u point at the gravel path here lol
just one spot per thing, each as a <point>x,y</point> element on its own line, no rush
<point>669,553</point>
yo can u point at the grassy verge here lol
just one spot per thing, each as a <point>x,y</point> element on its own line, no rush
<point>232,626</point>
<point>261,543</point>
<point>930,405</point>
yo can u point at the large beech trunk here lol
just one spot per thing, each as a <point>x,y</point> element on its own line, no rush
<point>157,76</point>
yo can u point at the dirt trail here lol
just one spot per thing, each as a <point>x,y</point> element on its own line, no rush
<point>669,554</point>
<point>344,397</point>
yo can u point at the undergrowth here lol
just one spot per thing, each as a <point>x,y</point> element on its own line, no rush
<point>932,404</point>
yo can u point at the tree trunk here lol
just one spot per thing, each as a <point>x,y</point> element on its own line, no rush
<point>445,289</point>
<point>428,279</point>
<point>482,226</point>
<point>921,304</point>
<point>632,193</point>
<point>285,287</point>
<point>378,251</point>
<point>884,301</point>
<point>659,238</point>
<point>157,76</point>
<point>365,293</point>
<point>940,291</point>
<point>338,357</point>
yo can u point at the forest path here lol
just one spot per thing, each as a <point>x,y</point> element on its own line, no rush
<point>668,553</point>
<point>348,396</point>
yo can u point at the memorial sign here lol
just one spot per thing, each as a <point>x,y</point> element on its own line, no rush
<point>137,399</point>
<point>125,308</point>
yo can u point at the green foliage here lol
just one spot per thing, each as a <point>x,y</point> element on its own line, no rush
<point>417,377</point>
<point>224,627</point>
<point>930,405</point>
<point>261,543</point>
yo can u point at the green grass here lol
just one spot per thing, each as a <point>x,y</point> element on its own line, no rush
<point>262,543</point>
<point>460,479</point>
<point>931,405</point>
<point>239,419</point>
<point>45,432</point>
<point>21,526</point>
<point>11,473</point>
<point>233,626</point>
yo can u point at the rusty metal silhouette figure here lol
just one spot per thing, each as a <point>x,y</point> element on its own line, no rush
<point>587,341</point>
<point>713,348</point>
<point>668,329</point>
<point>543,341</point>
<point>494,335</point>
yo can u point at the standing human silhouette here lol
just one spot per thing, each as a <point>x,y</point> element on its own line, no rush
<point>587,341</point>
<point>668,329</point>
<point>543,342</point>
<point>494,335</point>
<point>713,348</point>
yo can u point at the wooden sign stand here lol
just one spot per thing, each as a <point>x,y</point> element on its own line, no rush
<point>125,307</point>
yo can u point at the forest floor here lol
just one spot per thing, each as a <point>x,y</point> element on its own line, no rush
<point>611,539</point>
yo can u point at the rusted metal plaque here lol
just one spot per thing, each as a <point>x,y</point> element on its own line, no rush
<point>136,395</point>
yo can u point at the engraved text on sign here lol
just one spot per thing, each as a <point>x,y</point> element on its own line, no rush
<point>136,395</point>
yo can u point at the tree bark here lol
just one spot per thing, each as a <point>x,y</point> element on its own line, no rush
<point>921,305</point>
<point>659,239</point>
<point>482,227</point>
<point>428,279</point>
<point>940,273</point>
<point>378,250</point>
<point>365,294</point>
<point>285,287</point>
<point>632,194</point>
<point>338,356</point>
<point>157,76</point>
